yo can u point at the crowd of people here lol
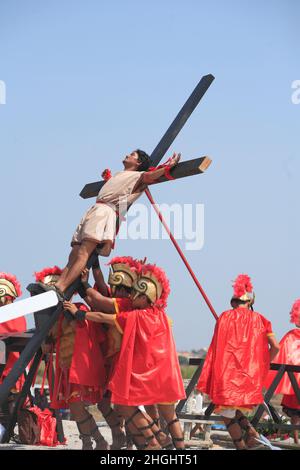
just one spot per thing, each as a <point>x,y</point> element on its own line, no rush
<point>115,349</point>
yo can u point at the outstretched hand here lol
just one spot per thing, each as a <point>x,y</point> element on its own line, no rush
<point>175,159</point>
<point>70,307</point>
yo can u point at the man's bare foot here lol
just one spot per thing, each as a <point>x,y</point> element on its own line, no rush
<point>40,287</point>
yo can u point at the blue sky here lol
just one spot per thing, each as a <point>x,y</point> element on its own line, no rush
<point>86,82</point>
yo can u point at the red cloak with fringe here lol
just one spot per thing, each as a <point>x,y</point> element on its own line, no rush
<point>147,371</point>
<point>18,325</point>
<point>289,353</point>
<point>238,359</point>
<point>85,379</point>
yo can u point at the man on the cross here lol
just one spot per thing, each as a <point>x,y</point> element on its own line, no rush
<point>97,228</point>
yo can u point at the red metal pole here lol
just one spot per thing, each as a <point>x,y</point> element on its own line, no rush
<point>149,195</point>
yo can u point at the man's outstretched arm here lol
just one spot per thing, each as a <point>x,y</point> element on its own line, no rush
<point>150,177</point>
<point>98,317</point>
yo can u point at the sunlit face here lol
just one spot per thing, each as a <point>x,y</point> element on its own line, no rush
<point>141,301</point>
<point>131,160</point>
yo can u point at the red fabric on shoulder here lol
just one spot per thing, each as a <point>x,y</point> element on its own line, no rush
<point>147,371</point>
<point>237,361</point>
<point>18,325</point>
<point>124,304</point>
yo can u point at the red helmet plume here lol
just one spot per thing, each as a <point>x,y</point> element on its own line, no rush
<point>242,287</point>
<point>41,275</point>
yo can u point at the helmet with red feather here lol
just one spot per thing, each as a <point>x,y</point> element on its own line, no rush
<point>242,289</point>
<point>123,272</point>
<point>48,276</point>
<point>154,283</point>
<point>295,313</point>
<point>9,287</point>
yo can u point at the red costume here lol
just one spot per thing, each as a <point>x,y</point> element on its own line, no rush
<point>10,288</point>
<point>147,371</point>
<point>289,353</point>
<point>237,361</point>
<point>79,372</point>
<point>123,273</point>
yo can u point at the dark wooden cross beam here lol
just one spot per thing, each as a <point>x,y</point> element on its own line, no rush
<point>188,168</point>
<point>92,189</point>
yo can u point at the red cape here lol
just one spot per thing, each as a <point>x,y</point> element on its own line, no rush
<point>18,325</point>
<point>13,326</point>
<point>87,374</point>
<point>289,354</point>
<point>237,361</point>
<point>147,371</point>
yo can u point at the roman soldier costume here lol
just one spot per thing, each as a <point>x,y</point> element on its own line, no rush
<point>238,358</point>
<point>289,354</point>
<point>147,371</point>
<point>123,273</point>
<point>80,373</point>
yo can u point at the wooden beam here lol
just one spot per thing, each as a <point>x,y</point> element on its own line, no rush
<point>183,169</point>
<point>181,118</point>
<point>188,168</point>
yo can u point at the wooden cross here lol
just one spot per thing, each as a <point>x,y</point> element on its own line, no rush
<point>50,316</point>
<point>188,168</point>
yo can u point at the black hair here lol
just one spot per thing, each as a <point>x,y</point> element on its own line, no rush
<point>144,159</point>
<point>235,303</point>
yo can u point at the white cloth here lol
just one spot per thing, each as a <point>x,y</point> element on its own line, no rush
<point>118,189</point>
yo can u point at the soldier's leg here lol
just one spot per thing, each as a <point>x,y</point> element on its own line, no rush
<point>169,414</point>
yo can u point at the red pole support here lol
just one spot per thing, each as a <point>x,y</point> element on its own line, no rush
<point>149,195</point>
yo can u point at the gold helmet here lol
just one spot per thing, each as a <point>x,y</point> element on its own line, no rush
<point>154,284</point>
<point>9,287</point>
<point>149,285</point>
<point>48,276</point>
<point>123,272</point>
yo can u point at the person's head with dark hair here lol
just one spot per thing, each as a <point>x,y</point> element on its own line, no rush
<point>144,160</point>
<point>138,160</point>
<point>243,295</point>
<point>236,303</point>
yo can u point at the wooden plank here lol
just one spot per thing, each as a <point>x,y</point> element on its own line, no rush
<point>182,170</point>
<point>181,118</point>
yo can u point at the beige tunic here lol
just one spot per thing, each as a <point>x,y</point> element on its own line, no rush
<point>99,222</point>
<point>118,189</point>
